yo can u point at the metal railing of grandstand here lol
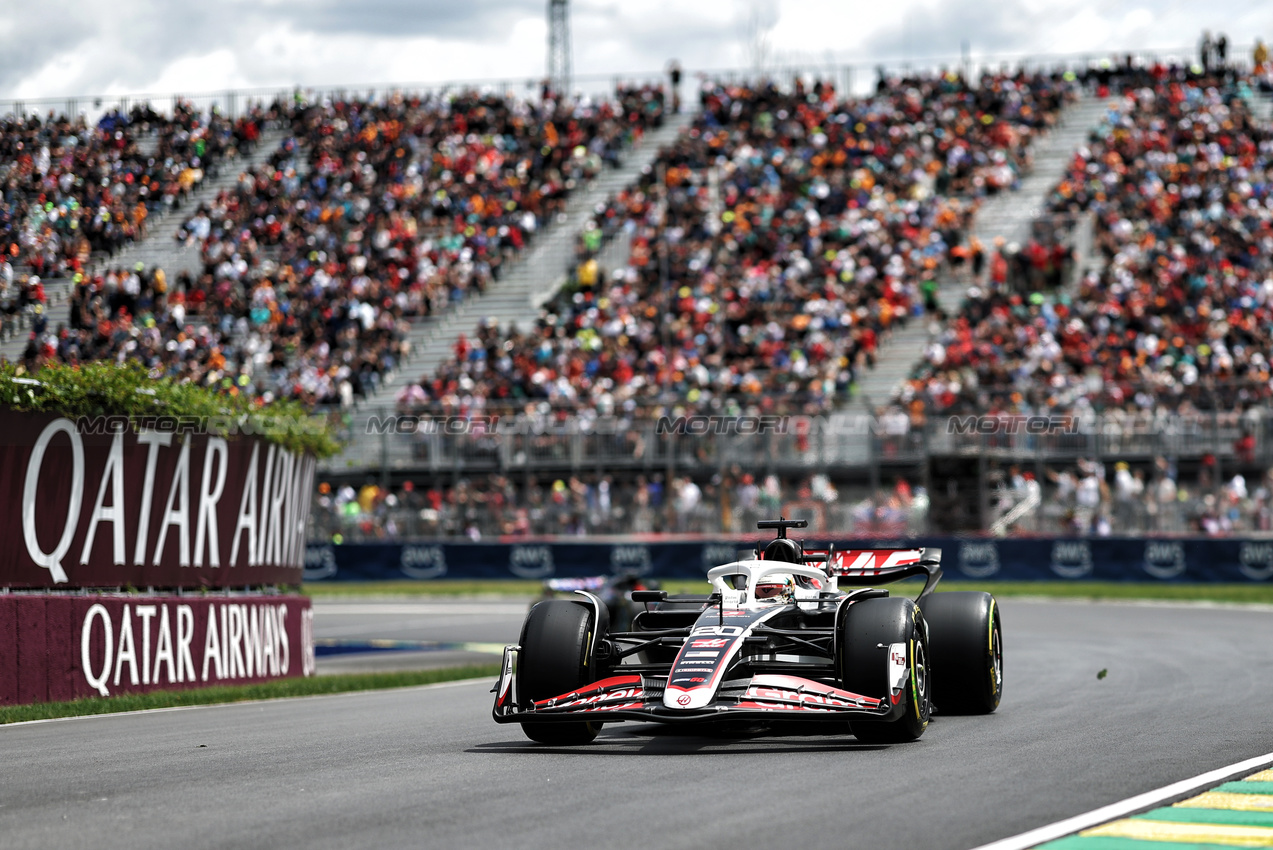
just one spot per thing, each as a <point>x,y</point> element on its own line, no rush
<point>389,440</point>
<point>851,76</point>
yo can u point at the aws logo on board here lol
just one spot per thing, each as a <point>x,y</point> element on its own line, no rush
<point>631,559</point>
<point>1255,561</point>
<point>423,562</point>
<point>716,554</point>
<point>979,559</point>
<point>531,561</point>
<point>320,562</point>
<point>1071,558</point>
<point>1164,559</point>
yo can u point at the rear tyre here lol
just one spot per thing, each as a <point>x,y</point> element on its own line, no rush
<point>871,627</point>
<point>967,651</point>
<point>555,660</point>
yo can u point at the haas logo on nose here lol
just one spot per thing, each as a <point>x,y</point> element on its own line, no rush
<point>683,699</point>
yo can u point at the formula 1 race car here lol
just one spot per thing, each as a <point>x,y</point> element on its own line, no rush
<point>777,640</point>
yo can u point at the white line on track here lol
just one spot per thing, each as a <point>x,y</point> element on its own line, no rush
<point>484,680</point>
<point>1061,828</point>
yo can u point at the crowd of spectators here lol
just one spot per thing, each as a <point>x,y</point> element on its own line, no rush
<point>1178,315</point>
<point>499,506</point>
<point>369,214</point>
<point>68,189</point>
<point>378,212</point>
<point>1088,498</point>
<point>772,247</point>
<point>1092,498</point>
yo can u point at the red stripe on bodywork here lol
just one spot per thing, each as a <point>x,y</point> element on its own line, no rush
<point>596,688</point>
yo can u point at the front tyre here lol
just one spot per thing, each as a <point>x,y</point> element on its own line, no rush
<point>871,628</point>
<point>555,659</point>
<point>967,651</point>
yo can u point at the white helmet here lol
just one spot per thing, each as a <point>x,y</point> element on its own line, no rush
<point>775,587</point>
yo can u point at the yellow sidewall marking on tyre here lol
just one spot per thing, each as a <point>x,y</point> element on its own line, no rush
<point>990,643</point>
<point>919,714</point>
<point>1230,800</point>
<point>914,687</point>
<point>990,633</point>
<point>1185,833</point>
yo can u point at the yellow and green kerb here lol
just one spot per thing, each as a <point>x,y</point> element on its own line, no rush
<point>1235,814</point>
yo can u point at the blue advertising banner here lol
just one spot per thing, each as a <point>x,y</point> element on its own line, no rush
<point>1006,559</point>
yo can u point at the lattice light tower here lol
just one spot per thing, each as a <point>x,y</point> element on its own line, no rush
<point>559,47</point>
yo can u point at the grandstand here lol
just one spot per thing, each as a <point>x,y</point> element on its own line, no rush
<point>540,288</point>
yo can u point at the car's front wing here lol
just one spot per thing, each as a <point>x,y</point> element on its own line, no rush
<point>640,697</point>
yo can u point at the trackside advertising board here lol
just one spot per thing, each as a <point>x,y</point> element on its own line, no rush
<point>59,647</point>
<point>115,507</point>
<point>1180,559</point>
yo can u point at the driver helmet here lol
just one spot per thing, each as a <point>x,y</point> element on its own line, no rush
<point>775,587</point>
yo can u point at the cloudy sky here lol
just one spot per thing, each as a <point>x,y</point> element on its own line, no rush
<point>74,47</point>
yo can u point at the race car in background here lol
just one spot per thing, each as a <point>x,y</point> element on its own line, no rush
<point>614,591</point>
<point>777,639</point>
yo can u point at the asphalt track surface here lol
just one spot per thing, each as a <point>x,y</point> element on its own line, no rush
<point>494,622</point>
<point>1187,690</point>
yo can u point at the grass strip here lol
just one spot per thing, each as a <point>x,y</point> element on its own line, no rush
<point>297,687</point>
<point>1249,593</point>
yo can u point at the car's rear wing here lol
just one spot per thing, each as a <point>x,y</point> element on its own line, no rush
<point>880,566</point>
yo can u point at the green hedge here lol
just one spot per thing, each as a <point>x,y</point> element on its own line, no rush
<point>108,389</point>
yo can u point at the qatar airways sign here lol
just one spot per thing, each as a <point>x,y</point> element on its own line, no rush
<point>147,509</point>
<point>153,644</point>
<point>60,647</point>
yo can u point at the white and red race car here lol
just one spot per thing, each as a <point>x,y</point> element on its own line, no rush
<point>776,640</point>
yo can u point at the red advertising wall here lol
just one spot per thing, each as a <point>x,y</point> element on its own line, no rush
<point>55,648</point>
<point>97,503</point>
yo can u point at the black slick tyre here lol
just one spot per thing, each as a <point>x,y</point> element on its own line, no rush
<point>555,659</point>
<point>966,639</point>
<point>872,627</point>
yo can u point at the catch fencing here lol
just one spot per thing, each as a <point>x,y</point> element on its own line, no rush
<point>384,442</point>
